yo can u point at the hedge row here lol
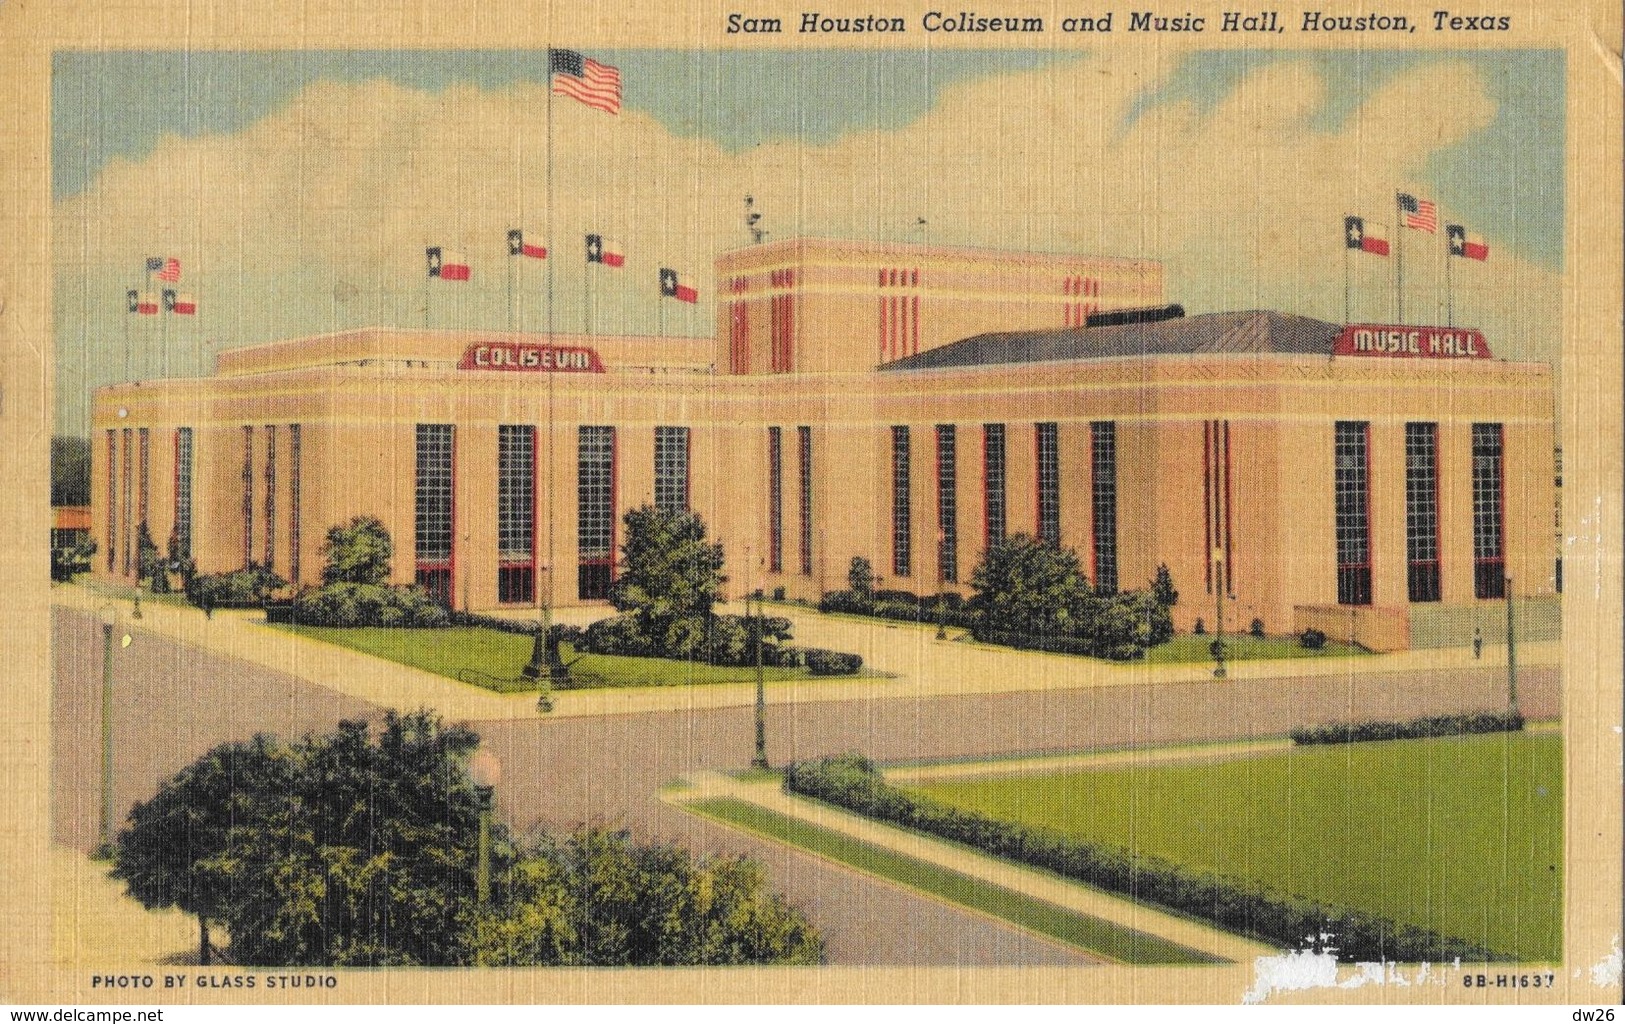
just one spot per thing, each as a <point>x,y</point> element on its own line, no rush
<point>240,588</point>
<point>1414,729</point>
<point>368,604</point>
<point>851,781</point>
<point>728,643</point>
<point>949,609</point>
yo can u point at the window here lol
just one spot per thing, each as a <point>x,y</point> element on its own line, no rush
<point>804,444</point>
<point>947,506</point>
<point>516,514</point>
<point>1352,500</point>
<point>293,502</point>
<point>270,496</point>
<point>775,499</point>
<point>248,495</point>
<point>124,500</point>
<point>112,498</point>
<point>434,522</point>
<point>143,487</point>
<point>902,564</point>
<point>1489,525</point>
<point>782,354</point>
<point>1049,483</point>
<point>738,330</point>
<point>595,511</point>
<point>183,492</point>
<point>993,511</point>
<point>1103,449</point>
<point>671,468</point>
<point>1422,510</point>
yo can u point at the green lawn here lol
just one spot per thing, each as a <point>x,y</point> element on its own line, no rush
<point>1124,945</point>
<point>1245,647</point>
<point>1462,836</point>
<point>493,653</point>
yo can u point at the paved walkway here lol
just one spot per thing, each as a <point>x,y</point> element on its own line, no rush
<point>1030,882</point>
<point>916,664</point>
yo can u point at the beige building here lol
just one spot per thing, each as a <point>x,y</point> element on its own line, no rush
<point>908,404</point>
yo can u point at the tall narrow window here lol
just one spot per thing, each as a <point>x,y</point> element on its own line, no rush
<point>595,511</point>
<point>1351,488</point>
<point>248,495</point>
<point>270,496</point>
<point>1103,449</point>
<point>1422,510</point>
<point>112,497</point>
<point>775,499</point>
<point>671,468</point>
<point>1049,483</point>
<point>1489,524</point>
<point>947,505</point>
<point>144,481</point>
<point>993,508</point>
<point>435,519</point>
<point>183,492</point>
<point>804,446</point>
<point>294,457</point>
<point>125,526</point>
<point>902,558</point>
<point>782,308</point>
<point>516,514</point>
<point>738,330</point>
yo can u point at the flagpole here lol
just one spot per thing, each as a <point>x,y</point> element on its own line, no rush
<point>1449,285</point>
<point>163,333</point>
<point>1399,261</point>
<point>1345,270</point>
<point>127,315</point>
<point>425,293</point>
<point>544,598</point>
<point>511,272</point>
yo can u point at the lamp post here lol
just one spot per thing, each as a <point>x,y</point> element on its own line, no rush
<point>754,624</point>
<point>1218,612</point>
<point>486,771</point>
<point>104,830</point>
<point>136,612</point>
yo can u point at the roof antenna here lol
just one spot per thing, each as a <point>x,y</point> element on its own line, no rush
<point>753,220</point>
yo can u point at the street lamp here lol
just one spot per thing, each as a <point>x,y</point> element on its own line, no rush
<point>1512,653</point>
<point>755,626</point>
<point>486,770</point>
<point>104,830</point>
<point>1218,612</point>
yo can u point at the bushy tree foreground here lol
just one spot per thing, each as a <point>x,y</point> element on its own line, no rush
<point>355,849</point>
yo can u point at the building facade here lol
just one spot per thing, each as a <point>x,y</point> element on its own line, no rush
<point>909,404</point>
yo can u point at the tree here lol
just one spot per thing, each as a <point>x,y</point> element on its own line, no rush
<point>355,849</point>
<point>70,470</point>
<point>860,580</point>
<point>358,552</point>
<point>1163,599</point>
<point>150,565</point>
<point>171,854</point>
<point>670,578</point>
<point>1027,589</point>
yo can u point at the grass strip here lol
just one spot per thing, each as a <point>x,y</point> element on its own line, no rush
<point>1124,945</point>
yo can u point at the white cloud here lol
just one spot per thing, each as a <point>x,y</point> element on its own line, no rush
<point>316,217</point>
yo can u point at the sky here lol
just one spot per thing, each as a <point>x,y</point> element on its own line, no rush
<point>298,190</point>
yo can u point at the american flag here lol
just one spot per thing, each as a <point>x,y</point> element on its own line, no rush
<point>168,268</point>
<point>1418,213</point>
<point>585,80</point>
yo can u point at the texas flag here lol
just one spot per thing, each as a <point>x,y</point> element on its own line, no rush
<point>677,286</point>
<point>146,304</point>
<point>1466,244</point>
<point>605,251</point>
<point>517,246</point>
<point>446,266</point>
<point>1367,236</point>
<point>179,303</point>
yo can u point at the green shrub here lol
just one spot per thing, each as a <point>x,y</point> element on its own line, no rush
<point>1257,628</point>
<point>1470,723</point>
<point>240,588</point>
<point>831,663</point>
<point>852,782</point>
<point>368,604</point>
<point>1312,639</point>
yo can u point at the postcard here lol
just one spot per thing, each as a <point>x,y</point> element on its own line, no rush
<point>1033,503</point>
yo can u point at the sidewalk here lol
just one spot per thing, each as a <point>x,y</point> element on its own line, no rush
<point>917,664</point>
<point>1028,881</point>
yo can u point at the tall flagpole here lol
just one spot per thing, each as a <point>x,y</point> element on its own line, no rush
<point>1399,261</point>
<point>545,598</point>
<point>1345,268</point>
<point>1449,286</point>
